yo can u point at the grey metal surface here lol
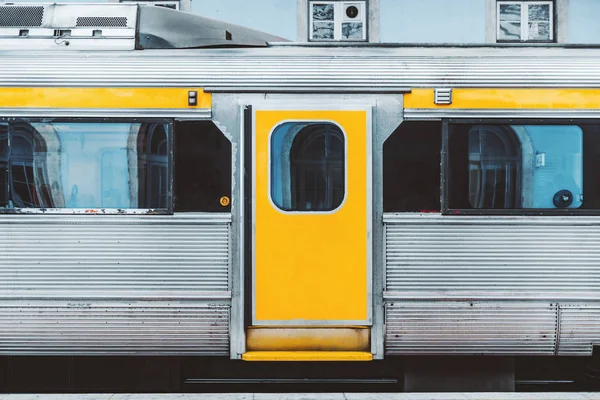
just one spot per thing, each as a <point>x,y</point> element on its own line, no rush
<point>162,28</point>
<point>88,327</point>
<point>178,113</point>
<point>118,256</point>
<point>387,116</point>
<point>309,67</point>
<point>507,257</point>
<point>470,328</point>
<point>114,284</point>
<point>416,114</point>
<point>492,284</point>
<point>68,26</point>
<point>579,328</point>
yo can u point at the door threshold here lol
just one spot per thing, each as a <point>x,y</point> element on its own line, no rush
<point>307,356</point>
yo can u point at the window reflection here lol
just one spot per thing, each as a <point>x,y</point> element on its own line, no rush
<point>83,165</point>
<point>307,167</point>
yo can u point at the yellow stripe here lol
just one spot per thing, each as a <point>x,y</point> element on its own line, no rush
<point>307,356</point>
<point>158,98</point>
<point>509,99</point>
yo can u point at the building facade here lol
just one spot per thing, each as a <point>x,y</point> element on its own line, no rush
<point>406,21</point>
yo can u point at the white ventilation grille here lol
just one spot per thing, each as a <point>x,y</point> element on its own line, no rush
<point>443,96</point>
<point>21,16</point>
<point>115,22</point>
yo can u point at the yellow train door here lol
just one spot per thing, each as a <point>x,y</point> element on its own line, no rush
<point>311,217</point>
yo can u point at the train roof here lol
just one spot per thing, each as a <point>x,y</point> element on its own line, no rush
<point>297,69</point>
<point>158,47</point>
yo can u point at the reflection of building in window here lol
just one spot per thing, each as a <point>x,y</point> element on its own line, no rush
<point>307,167</point>
<point>494,167</point>
<point>153,161</point>
<point>525,21</point>
<point>24,178</point>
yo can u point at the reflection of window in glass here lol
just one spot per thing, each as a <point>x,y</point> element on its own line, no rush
<point>153,161</point>
<point>337,20</point>
<point>522,21</point>
<point>411,168</point>
<point>92,165</point>
<point>515,166</point>
<point>307,167</point>
<point>202,158</point>
<point>494,168</point>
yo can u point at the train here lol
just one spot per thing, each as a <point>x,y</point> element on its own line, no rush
<point>175,186</point>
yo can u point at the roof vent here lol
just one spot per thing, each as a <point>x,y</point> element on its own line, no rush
<point>102,21</point>
<point>21,15</point>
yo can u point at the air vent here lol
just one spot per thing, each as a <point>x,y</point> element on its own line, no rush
<point>443,96</point>
<point>21,15</point>
<point>102,21</point>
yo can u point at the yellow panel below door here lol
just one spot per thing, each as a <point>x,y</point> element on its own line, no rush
<point>312,267</point>
<point>307,356</point>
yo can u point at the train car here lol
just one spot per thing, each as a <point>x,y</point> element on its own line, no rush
<point>177,186</point>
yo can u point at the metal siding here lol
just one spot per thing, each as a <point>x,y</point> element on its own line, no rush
<point>308,67</point>
<point>579,329</point>
<point>492,284</point>
<point>113,327</point>
<point>114,284</point>
<point>504,256</point>
<point>470,328</point>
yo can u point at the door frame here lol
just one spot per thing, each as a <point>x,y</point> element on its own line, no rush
<point>249,166</point>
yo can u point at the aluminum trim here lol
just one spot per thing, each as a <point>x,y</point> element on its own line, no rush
<point>417,114</point>
<point>177,113</point>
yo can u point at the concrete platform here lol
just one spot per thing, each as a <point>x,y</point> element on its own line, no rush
<point>310,396</point>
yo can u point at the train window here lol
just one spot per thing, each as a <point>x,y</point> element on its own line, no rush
<point>495,166</point>
<point>202,160</point>
<point>411,168</point>
<point>84,165</point>
<point>307,166</point>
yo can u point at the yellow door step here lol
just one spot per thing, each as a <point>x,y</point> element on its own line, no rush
<point>307,356</point>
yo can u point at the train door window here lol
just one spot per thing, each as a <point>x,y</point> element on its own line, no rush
<point>411,168</point>
<point>307,166</point>
<point>494,166</point>
<point>202,159</point>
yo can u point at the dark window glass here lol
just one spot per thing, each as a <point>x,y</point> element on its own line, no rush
<point>202,167</point>
<point>95,165</point>
<point>307,167</point>
<point>516,166</point>
<point>153,164</point>
<point>411,168</point>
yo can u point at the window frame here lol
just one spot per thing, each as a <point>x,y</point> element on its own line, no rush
<point>525,21</point>
<point>338,20</point>
<point>98,210</point>
<point>446,175</point>
<point>270,164</point>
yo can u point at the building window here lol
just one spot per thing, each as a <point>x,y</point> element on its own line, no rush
<point>525,21</point>
<point>307,167</point>
<point>337,20</point>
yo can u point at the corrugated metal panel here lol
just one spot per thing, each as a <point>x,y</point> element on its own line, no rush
<point>470,328</point>
<point>290,67</point>
<point>416,114</point>
<point>579,329</point>
<point>117,256</point>
<point>504,257</point>
<point>113,327</point>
